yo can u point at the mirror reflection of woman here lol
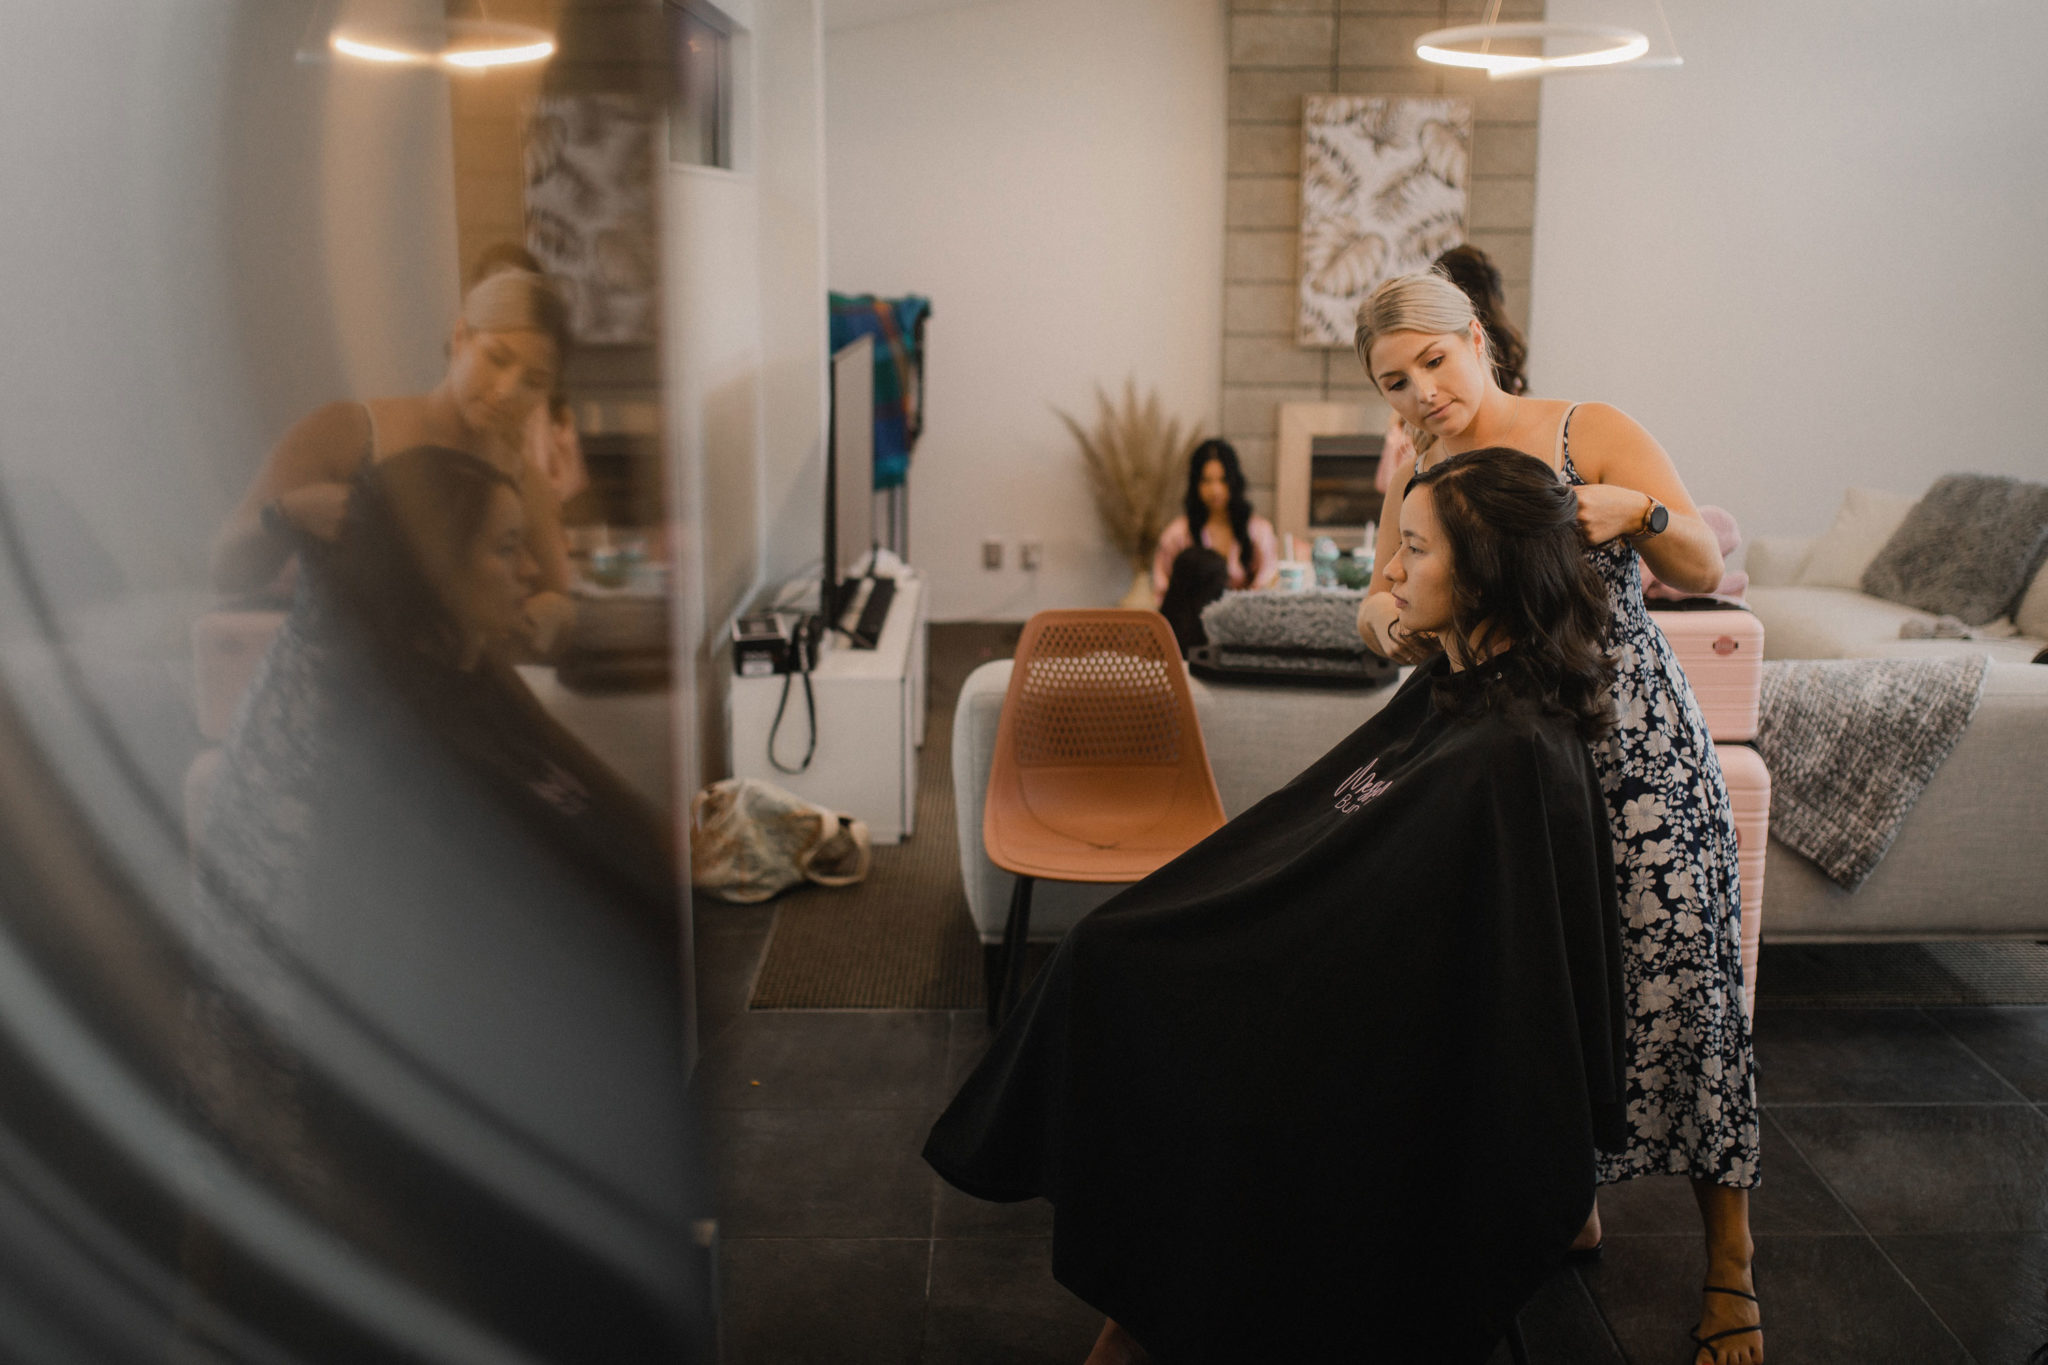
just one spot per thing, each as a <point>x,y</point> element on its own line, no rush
<point>390,798</point>
<point>1216,514</point>
<point>504,361</point>
<point>1692,1100</point>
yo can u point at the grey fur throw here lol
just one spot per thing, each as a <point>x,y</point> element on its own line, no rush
<point>1967,549</point>
<point>1322,619</point>
<point>1850,744</point>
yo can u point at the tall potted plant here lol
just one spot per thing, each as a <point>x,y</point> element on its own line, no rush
<point>1135,460</point>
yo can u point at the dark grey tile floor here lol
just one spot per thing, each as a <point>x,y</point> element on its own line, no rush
<point>1904,1216</point>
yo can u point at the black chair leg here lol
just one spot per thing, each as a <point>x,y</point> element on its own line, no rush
<point>1517,1348</point>
<point>1016,934</point>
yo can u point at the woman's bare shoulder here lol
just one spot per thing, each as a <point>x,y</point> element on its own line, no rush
<point>1603,437</point>
<point>1602,417</point>
<point>326,444</point>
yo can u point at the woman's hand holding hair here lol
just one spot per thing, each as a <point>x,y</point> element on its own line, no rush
<point>317,509</point>
<point>1608,510</point>
<point>1625,468</point>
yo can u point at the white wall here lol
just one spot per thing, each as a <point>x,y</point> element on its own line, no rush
<point>795,331</point>
<point>1813,256</point>
<point>1050,173</point>
<point>745,358</point>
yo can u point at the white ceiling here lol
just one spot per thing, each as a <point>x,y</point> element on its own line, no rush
<point>854,13</point>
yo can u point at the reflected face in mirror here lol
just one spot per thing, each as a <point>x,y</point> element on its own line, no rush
<point>498,379</point>
<point>490,583</point>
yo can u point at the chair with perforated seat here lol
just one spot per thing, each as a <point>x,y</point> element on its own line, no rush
<point>1099,772</point>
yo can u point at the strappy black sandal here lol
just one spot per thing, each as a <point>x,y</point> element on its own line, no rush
<point>1712,1337</point>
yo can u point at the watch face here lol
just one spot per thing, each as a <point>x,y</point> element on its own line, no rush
<point>1660,517</point>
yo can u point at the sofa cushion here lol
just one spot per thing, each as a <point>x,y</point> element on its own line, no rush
<point>1966,549</point>
<point>1839,623</point>
<point>1866,520</point>
<point>2031,616</point>
<point>1826,623</point>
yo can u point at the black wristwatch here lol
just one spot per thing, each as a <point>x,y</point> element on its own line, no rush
<point>1654,521</point>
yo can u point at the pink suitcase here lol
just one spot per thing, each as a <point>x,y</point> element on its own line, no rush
<point>1749,795</point>
<point>1722,653</point>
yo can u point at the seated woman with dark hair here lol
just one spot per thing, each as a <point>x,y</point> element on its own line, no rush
<point>388,692</point>
<point>425,912</point>
<point>1246,1083</point>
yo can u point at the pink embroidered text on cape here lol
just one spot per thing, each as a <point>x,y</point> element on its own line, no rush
<point>1360,788</point>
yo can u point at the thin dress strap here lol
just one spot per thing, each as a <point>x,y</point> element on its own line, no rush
<point>1563,456</point>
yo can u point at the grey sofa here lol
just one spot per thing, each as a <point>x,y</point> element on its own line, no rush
<point>1970,862</point>
<point>1805,619</point>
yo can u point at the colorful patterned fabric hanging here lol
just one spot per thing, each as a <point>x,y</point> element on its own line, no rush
<point>897,325</point>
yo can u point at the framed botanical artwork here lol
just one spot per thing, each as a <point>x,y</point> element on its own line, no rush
<point>1383,193</point>
<point>590,181</point>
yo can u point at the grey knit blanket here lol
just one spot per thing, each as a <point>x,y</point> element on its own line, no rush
<point>1322,619</point>
<point>1851,743</point>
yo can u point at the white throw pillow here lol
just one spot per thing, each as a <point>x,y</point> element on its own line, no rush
<point>2031,616</point>
<point>1867,519</point>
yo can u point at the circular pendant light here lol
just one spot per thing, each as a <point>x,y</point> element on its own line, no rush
<point>1588,47</point>
<point>1597,45</point>
<point>460,44</point>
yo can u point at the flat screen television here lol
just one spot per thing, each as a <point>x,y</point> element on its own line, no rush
<point>849,473</point>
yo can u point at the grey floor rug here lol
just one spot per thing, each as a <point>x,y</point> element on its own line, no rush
<point>902,939</point>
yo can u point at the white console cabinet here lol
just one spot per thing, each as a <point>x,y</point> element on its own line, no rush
<point>870,706</point>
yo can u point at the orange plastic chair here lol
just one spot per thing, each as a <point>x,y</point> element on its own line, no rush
<point>1099,773</point>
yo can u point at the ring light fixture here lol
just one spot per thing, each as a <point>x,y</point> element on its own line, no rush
<point>468,45</point>
<point>1613,46</point>
<point>1591,47</point>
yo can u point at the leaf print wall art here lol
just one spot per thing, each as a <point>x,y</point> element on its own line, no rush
<point>590,211</point>
<point>1383,183</point>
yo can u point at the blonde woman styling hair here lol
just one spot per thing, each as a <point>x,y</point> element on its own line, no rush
<point>1691,1096</point>
<point>504,359</point>
<point>1424,348</point>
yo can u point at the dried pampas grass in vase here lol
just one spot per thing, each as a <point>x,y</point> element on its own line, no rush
<point>1136,461</point>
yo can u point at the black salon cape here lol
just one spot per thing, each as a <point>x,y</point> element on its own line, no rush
<point>1327,1086</point>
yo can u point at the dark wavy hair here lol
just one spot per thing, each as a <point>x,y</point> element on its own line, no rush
<point>1520,579</point>
<point>411,520</point>
<point>1197,511</point>
<point>1474,272</point>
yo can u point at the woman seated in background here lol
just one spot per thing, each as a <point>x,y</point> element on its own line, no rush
<point>1217,516</point>
<point>504,362</point>
<point>1328,1086</point>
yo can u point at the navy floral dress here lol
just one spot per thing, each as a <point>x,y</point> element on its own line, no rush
<point>1691,1072</point>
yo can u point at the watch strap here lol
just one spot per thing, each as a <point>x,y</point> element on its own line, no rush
<point>1652,524</point>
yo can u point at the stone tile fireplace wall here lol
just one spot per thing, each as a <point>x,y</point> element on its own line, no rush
<point>1281,50</point>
